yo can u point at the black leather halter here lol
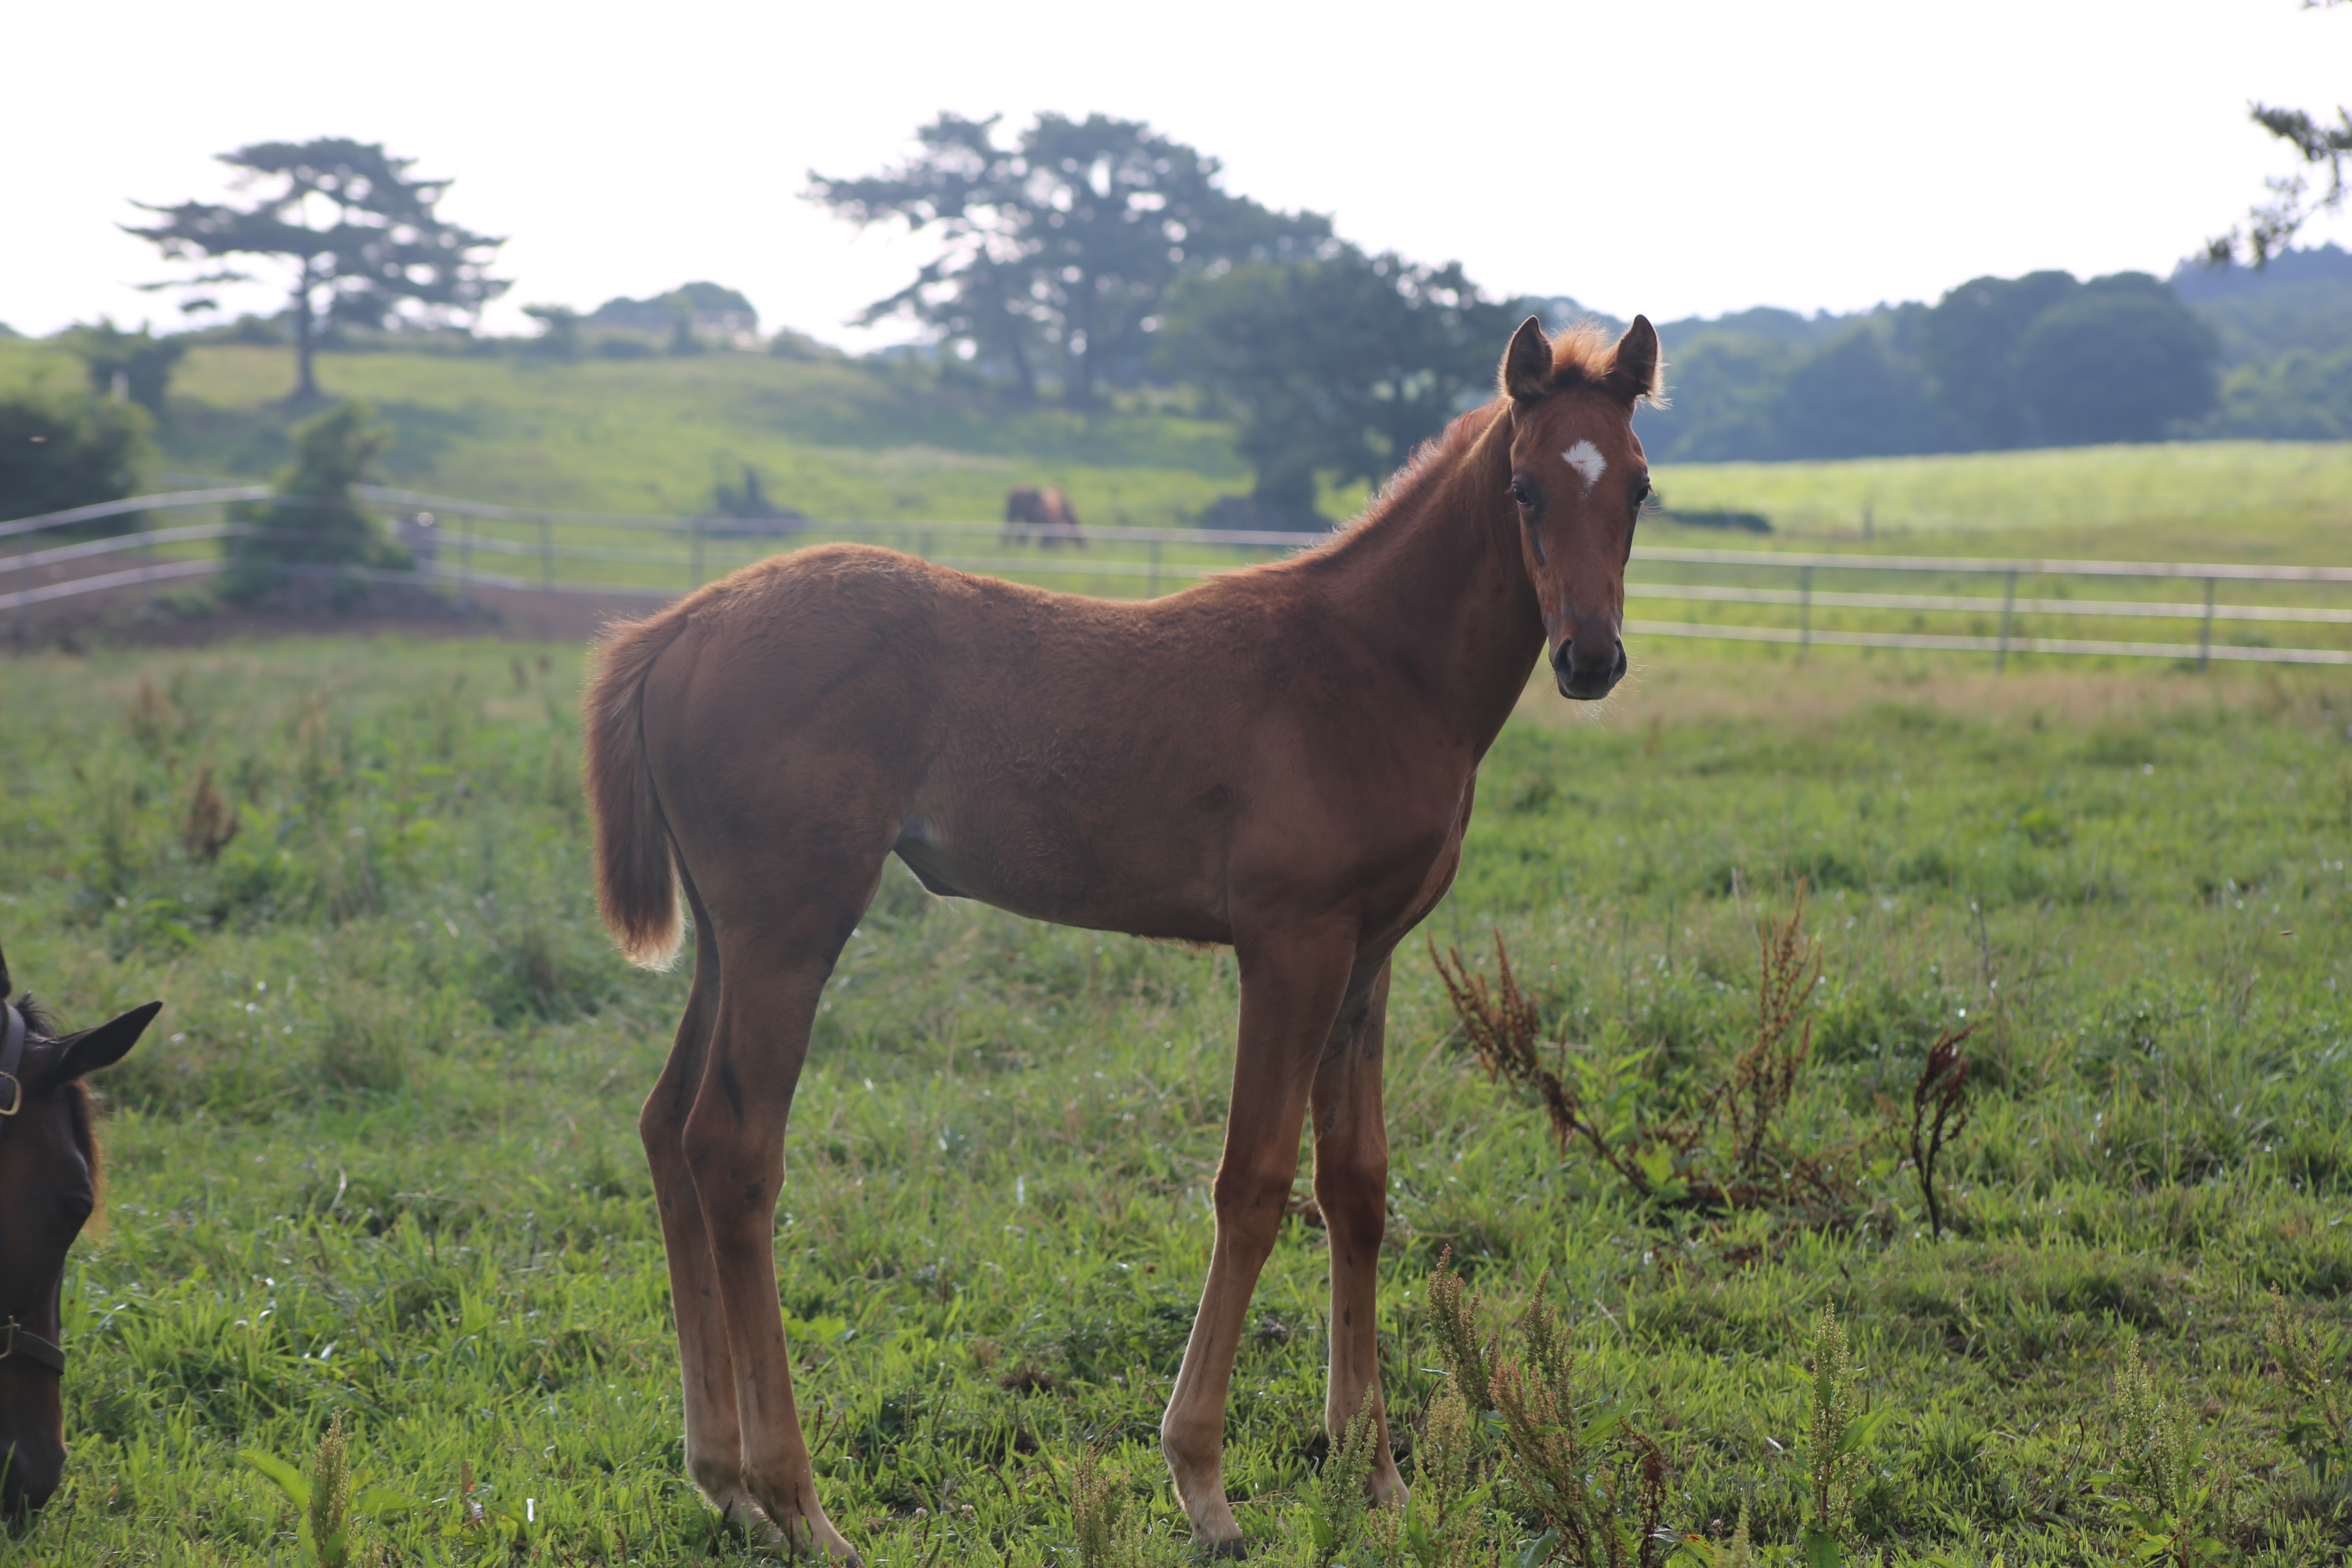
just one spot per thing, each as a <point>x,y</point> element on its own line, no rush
<point>17,1341</point>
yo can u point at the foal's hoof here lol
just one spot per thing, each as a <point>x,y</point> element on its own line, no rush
<point>1231,1551</point>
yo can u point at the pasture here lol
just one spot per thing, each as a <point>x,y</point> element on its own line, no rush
<point>378,1156</point>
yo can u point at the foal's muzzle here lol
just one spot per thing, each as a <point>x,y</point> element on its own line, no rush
<point>1588,680</point>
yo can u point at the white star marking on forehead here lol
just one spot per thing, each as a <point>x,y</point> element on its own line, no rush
<point>1586,459</point>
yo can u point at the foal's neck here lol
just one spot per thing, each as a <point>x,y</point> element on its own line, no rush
<point>1435,576</point>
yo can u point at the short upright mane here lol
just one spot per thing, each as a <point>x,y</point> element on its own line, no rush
<point>1584,355</point>
<point>1583,359</point>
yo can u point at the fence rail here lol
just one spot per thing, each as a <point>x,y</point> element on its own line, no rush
<point>657,558</point>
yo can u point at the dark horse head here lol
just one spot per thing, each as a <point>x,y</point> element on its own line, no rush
<point>1579,479</point>
<point>48,1189</point>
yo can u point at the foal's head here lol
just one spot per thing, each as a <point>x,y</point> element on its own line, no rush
<point>1578,477</point>
<point>48,1188</point>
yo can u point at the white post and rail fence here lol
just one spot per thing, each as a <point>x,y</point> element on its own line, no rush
<point>471,552</point>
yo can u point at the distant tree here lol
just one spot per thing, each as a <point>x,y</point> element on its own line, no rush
<point>1969,345</point>
<point>320,524</point>
<point>1336,366</point>
<point>64,449</point>
<point>1727,387</point>
<point>142,361</point>
<point>2301,396</point>
<point>357,231</point>
<point>1856,397</point>
<point>2272,225</point>
<point>559,331</point>
<point>1063,243</point>
<point>2118,360</point>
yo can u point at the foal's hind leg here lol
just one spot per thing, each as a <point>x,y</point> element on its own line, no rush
<point>714,1445</point>
<point>780,926</point>
<point>1351,1179</point>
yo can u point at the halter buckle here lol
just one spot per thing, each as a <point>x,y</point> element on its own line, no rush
<point>8,1344</point>
<point>16,1099</point>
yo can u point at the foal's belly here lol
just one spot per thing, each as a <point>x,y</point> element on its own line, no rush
<point>1144,886</point>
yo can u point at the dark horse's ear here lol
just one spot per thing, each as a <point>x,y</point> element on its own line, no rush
<point>1636,373</point>
<point>105,1044</point>
<point>1527,364</point>
<point>3,977</point>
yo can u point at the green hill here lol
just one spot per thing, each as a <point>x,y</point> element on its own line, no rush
<point>835,438</point>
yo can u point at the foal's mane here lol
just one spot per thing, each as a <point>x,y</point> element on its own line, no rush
<point>1429,466</point>
<point>1584,355</point>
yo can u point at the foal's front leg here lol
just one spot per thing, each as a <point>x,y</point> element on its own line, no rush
<point>1292,983</point>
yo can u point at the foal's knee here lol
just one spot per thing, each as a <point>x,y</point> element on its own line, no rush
<point>1353,1195</point>
<point>1249,1204</point>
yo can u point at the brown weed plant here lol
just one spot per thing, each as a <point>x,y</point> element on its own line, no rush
<point>1598,1482</point>
<point>212,822</point>
<point>1726,1151</point>
<point>1940,1114</point>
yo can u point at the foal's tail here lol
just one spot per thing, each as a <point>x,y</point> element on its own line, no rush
<point>636,878</point>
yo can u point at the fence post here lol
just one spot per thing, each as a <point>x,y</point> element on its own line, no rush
<point>25,588</point>
<point>1151,589</point>
<point>465,565</point>
<point>2008,605</point>
<point>547,556</point>
<point>2205,631</point>
<point>695,530</point>
<point>1804,609</point>
<point>146,567</point>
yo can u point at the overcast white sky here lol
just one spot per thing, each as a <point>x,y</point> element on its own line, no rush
<point>1674,157</point>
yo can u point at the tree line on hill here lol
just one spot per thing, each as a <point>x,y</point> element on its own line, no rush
<point>1076,260</point>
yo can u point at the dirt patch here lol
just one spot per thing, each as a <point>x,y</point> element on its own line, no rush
<point>123,621</point>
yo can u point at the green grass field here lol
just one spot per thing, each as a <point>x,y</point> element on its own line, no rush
<point>378,1157</point>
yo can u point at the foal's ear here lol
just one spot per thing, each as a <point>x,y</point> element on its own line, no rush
<point>1635,372</point>
<point>106,1045</point>
<point>1527,364</point>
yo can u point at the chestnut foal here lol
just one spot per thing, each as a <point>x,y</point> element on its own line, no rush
<point>1280,758</point>
<point>48,1189</point>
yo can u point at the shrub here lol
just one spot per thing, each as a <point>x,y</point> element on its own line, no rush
<point>308,538</point>
<point>61,450</point>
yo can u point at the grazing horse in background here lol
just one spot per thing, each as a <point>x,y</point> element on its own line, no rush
<point>48,1190</point>
<point>1281,758</point>
<point>1045,517</point>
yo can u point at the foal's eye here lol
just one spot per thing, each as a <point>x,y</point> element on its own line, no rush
<point>1521,494</point>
